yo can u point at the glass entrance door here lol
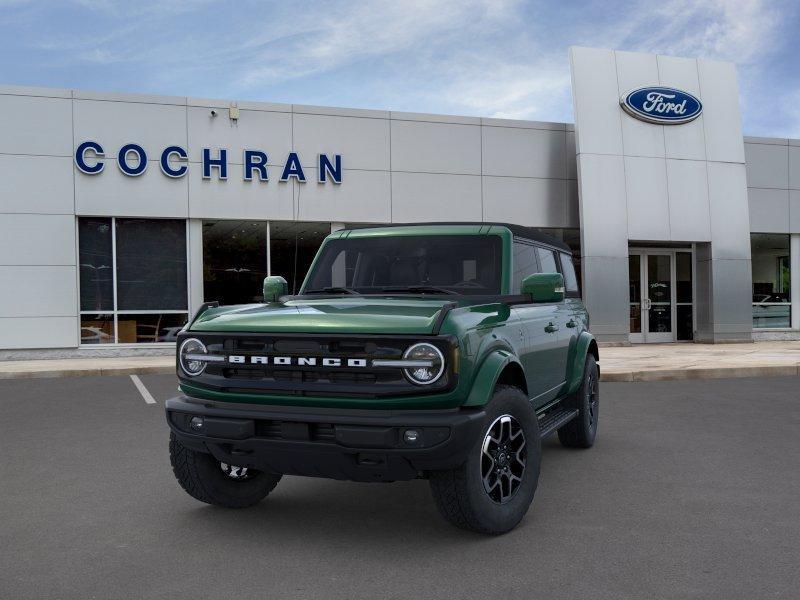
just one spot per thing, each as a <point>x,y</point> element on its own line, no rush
<point>660,295</point>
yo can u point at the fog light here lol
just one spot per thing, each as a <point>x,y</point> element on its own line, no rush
<point>411,436</point>
<point>196,423</point>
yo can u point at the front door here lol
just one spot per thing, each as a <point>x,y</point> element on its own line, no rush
<point>660,295</point>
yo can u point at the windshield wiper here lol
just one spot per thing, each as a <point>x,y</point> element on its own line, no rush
<point>333,290</point>
<point>419,289</point>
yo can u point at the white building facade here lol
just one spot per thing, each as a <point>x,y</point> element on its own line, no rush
<point>121,214</point>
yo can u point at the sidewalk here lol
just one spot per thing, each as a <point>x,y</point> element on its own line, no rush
<point>662,362</point>
<point>655,362</point>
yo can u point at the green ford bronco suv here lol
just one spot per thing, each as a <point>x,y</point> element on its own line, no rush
<point>444,352</point>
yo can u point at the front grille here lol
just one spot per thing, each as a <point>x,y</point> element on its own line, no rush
<point>297,379</point>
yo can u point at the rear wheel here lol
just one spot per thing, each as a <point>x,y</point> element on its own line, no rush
<point>582,430</point>
<point>492,490</point>
<point>210,481</point>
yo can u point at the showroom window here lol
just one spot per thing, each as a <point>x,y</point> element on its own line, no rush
<point>771,280</point>
<point>237,255</point>
<point>234,261</point>
<point>133,286</point>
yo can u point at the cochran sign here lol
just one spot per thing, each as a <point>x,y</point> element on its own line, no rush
<point>663,105</point>
<point>132,160</point>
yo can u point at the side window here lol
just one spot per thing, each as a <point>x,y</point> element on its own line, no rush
<point>524,264</point>
<point>568,269</point>
<point>547,259</point>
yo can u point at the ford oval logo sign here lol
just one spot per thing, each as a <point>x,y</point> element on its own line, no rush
<point>662,105</point>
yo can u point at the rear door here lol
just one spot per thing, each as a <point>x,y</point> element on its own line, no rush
<point>558,315</point>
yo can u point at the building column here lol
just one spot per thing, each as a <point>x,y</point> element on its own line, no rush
<point>794,265</point>
<point>194,230</point>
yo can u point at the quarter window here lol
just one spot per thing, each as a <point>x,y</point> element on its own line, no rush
<point>568,269</point>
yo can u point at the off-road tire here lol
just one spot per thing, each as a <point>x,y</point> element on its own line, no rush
<point>202,478</point>
<point>459,493</point>
<point>582,430</point>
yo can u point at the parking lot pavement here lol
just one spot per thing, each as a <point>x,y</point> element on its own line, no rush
<point>692,491</point>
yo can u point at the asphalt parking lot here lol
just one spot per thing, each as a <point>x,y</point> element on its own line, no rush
<point>692,491</point>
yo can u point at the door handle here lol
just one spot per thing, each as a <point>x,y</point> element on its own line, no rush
<point>551,328</point>
<point>571,323</point>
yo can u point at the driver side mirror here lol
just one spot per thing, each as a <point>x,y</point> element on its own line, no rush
<point>544,287</point>
<point>275,286</point>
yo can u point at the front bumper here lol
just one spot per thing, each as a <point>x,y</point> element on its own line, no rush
<point>358,445</point>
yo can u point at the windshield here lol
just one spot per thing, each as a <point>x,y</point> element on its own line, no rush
<point>427,264</point>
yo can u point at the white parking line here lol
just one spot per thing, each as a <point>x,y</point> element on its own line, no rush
<point>148,397</point>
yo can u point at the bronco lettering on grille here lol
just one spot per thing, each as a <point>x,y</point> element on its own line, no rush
<point>300,361</point>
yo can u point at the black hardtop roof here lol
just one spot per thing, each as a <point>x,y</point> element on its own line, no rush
<point>519,231</point>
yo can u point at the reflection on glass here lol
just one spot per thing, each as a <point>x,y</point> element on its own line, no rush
<point>684,324</point>
<point>96,264</point>
<point>97,329</point>
<point>659,292</point>
<point>635,292</point>
<point>659,278</point>
<point>234,261</point>
<point>683,276</point>
<point>293,247</point>
<point>771,280</point>
<point>149,328</point>
<point>524,264</point>
<point>151,264</point>
<point>659,318</point>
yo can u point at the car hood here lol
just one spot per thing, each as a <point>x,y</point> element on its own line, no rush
<point>327,315</point>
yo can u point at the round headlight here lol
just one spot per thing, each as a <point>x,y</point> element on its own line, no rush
<point>431,363</point>
<point>189,348</point>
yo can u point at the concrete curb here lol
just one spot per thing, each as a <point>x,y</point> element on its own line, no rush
<point>701,373</point>
<point>88,372</point>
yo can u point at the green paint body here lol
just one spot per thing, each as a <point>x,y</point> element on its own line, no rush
<point>540,345</point>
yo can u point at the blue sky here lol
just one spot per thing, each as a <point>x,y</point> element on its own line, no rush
<point>501,58</point>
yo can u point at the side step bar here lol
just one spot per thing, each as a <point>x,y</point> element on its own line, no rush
<point>554,419</point>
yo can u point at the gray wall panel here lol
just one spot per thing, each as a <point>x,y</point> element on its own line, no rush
<point>689,213</point>
<point>648,205</point>
<point>29,239</point>
<point>38,291</point>
<point>363,143</point>
<point>730,210</point>
<point>38,332</point>
<point>36,184</point>
<point>767,166</point>
<point>722,121</point>
<point>34,125</point>
<point>435,197</point>
<point>534,202</point>
<point>436,147</point>
<point>794,167</point>
<point>519,152</point>
<point>769,210</point>
<point>594,75</point>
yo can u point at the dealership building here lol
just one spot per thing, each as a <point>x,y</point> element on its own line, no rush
<point>121,213</point>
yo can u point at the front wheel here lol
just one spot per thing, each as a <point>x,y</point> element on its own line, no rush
<point>210,481</point>
<point>582,430</point>
<point>492,490</point>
